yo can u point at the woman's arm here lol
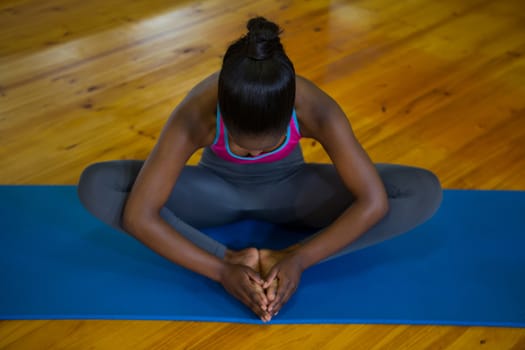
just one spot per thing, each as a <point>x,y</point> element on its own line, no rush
<point>188,129</point>
<point>180,138</point>
<point>321,118</point>
<point>325,121</point>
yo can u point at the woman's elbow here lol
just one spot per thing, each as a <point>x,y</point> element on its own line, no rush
<point>133,220</point>
<point>379,207</point>
<point>128,221</point>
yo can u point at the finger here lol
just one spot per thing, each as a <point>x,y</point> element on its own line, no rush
<point>253,290</point>
<point>267,317</point>
<point>272,290</point>
<point>283,295</point>
<point>262,314</point>
<point>249,301</point>
<point>254,276</point>
<point>255,293</point>
<point>284,299</point>
<point>288,294</point>
<point>243,294</point>
<point>259,296</point>
<point>271,277</point>
<point>279,294</point>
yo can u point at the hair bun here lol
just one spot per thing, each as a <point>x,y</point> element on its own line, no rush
<point>262,38</point>
<point>262,29</point>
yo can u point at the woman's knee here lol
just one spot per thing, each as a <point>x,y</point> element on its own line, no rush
<point>106,182</point>
<point>418,186</point>
<point>427,195</point>
<point>430,190</point>
<point>425,186</point>
<point>402,179</point>
<point>90,182</point>
<point>118,174</point>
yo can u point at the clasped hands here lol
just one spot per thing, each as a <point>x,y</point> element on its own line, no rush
<point>264,280</point>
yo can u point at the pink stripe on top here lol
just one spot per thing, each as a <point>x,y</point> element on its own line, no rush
<point>221,147</point>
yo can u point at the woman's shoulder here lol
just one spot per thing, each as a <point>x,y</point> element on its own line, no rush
<point>196,112</point>
<point>311,105</point>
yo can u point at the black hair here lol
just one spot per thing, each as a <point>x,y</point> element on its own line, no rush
<point>257,82</point>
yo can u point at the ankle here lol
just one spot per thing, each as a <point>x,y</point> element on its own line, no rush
<point>228,255</point>
<point>290,249</point>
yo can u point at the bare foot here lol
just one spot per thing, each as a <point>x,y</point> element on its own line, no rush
<point>248,257</point>
<point>267,259</point>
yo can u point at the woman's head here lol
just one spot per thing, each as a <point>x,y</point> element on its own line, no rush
<point>257,84</point>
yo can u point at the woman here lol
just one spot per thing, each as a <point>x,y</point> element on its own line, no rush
<point>249,117</point>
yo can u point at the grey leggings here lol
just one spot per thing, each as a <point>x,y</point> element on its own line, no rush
<point>287,192</point>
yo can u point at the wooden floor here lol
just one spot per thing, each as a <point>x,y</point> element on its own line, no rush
<point>437,84</point>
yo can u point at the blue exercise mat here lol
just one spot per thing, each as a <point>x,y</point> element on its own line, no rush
<point>466,266</point>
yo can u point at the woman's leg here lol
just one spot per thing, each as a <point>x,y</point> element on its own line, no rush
<point>315,196</point>
<point>196,199</point>
<point>414,195</point>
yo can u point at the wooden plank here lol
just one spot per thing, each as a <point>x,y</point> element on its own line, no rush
<point>428,83</point>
